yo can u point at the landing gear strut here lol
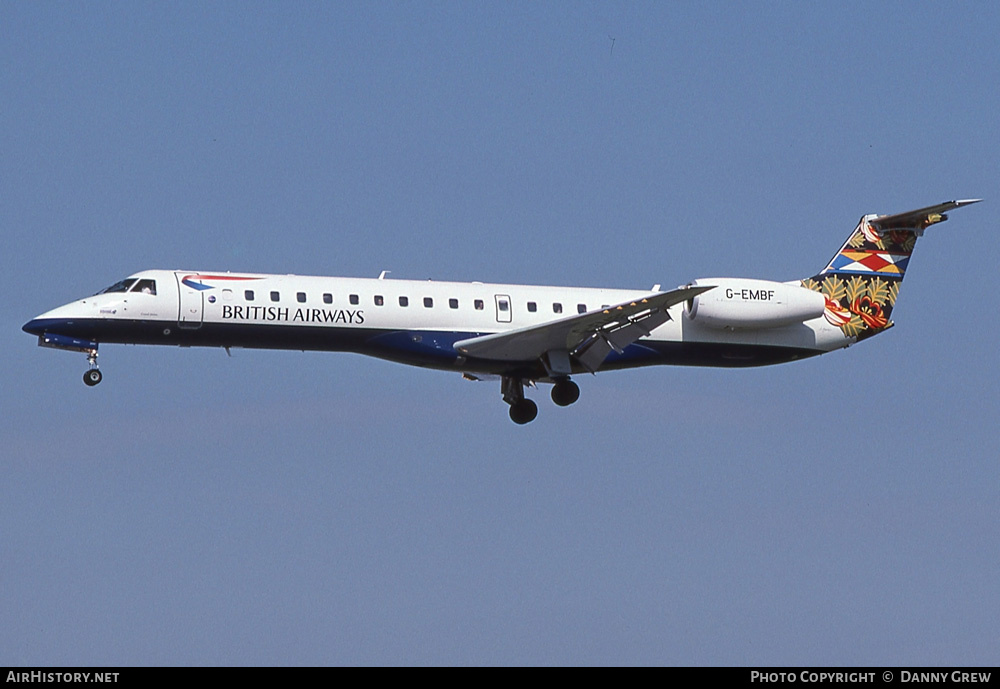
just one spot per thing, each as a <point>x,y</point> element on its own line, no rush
<point>522,410</point>
<point>93,376</point>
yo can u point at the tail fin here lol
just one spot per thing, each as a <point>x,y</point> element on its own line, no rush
<point>861,282</point>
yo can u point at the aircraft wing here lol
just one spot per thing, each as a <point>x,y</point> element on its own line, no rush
<point>920,219</point>
<point>589,336</point>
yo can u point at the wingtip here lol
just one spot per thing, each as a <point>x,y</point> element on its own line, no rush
<point>966,202</point>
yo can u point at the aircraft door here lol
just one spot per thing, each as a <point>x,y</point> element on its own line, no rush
<point>503,308</point>
<point>191,302</point>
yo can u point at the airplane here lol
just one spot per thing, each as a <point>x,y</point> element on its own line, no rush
<point>521,335</point>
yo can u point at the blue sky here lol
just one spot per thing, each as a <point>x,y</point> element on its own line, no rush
<point>307,508</point>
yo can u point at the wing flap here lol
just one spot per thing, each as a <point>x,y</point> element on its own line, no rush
<point>614,327</point>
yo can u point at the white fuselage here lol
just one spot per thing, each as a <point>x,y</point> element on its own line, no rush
<point>520,333</point>
<point>411,321</point>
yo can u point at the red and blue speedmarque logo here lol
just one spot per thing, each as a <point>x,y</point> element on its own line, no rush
<point>194,281</point>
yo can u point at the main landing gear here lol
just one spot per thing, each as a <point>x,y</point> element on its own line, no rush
<point>565,392</point>
<point>94,375</point>
<point>522,410</point>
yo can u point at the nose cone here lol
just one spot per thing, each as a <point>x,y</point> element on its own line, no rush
<point>34,327</point>
<point>62,319</point>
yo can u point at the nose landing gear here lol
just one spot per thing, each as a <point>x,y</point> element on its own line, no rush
<point>94,375</point>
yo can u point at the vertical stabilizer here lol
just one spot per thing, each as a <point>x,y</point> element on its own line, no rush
<point>861,282</point>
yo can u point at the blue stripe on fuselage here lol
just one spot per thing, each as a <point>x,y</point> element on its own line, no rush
<point>428,348</point>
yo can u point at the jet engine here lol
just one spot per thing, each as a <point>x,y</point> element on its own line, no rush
<point>740,303</point>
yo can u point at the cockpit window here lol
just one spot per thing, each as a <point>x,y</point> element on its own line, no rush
<point>144,286</point>
<point>119,286</point>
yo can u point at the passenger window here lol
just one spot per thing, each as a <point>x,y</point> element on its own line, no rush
<point>248,295</point>
<point>478,304</point>
<point>275,296</point>
<point>581,308</point>
<point>428,302</point>
<point>503,305</point>
<point>532,307</point>
<point>453,303</point>
<point>227,294</point>
<point>379,300</point>
<point>404,301</point>
<point>301,296</point>
<point>556,307</point>
<point>144,287</point>
<point>354,299</point>
<point>327,298</point>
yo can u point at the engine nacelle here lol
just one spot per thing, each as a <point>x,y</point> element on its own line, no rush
<point>739,304</point>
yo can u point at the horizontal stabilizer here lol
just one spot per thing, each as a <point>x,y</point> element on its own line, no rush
<point>919,219</point>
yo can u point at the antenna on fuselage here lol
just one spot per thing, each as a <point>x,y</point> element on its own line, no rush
<point>381,276</point>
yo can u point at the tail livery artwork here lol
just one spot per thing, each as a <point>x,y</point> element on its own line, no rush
<point>516,334</point>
